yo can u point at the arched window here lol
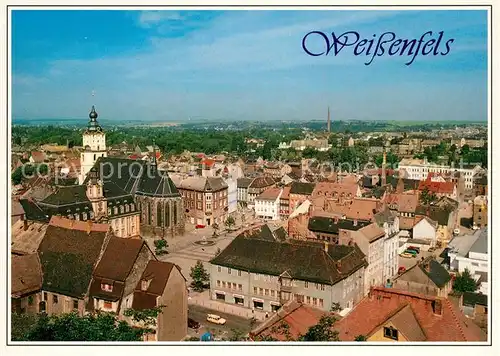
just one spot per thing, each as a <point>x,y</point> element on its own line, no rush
<point>149,213</point>
<point>121,209</point>
<point>175,213</point>
<point>167,214</point>
<point>159,214</point>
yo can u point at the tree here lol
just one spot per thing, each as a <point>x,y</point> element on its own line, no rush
<point>100,326</point>
<point>160,247</point>
<point>230,222</point>
<point>464,282</point>
<point>237,335</point>
<point>360,338</point>
<point>200,277</point>
<point>335,307</point>
<point>427,197</point>
<point>323,331</point>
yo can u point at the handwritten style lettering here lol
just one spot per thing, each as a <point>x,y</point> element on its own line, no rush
<point>386,44</point>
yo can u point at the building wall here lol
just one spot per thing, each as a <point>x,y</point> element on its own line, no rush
<point>27,304</point>
<point>424,230</point>
<point>428,288</point>
<point>242,194</point>
<point>232,195</point>
<point>172,321</point>
<point>172,218</point>
<point>379,334</point>
<point>420,172</point>
<point>65,304</point>
<point>267,209</point>
<point>100,304</point>
<point>480,217</point>
<point>145,255</point>
<point>126,226</point>
<point>267,289</point>
<point>97,143</point>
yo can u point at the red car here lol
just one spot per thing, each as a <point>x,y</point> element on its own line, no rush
<point>199,226</point>
<point>401,270</point>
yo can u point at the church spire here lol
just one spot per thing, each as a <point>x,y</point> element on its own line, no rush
<point>154,153</point>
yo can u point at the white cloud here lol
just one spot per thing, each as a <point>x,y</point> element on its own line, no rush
<point>150,18</point>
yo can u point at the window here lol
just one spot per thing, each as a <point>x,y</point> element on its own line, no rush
<point>108,305</point>
<point>239,273</point>
<point>234,286</point>
<point>115,210</point>
<point>315,301</point>
<point>223,284</point>
<point>316,285</point>
<point>30,300</point>
<point>321,303</point>
<point>240,287</point>
<point>266,292</point>
<point>273,293</point>
<point>218,283</point>
<point>391,333</point>
<point>126,208</point>
<point>261,291</point>
<point>209,206</point>
<point>121,209</point>
<point>106,287</point>
<point>229,271</point>
<point>45,297</point>
<point>84,216</point>
<point>219,269</point>
<point>109,211</point>
<point>322,286</point>
<point>306,284</point>
<point>54,299</point>
<point>75,304</point>
<point>255,290</point>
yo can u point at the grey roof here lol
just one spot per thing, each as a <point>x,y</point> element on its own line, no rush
<point>437,273</point>
<point>156,183</point>
<point>472,299</point>
<point>461,245</point>
<point>481,244</point>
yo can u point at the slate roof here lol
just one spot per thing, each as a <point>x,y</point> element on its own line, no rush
<point>261,182</point>
<point>303,260</point>
<point>331,226</point>
<point>265,232</point>
<point>125,173</point>
<point>302,188</point>
<point>481,244</point>
<point>156,183</point>
<point>68,257</point>
<point>441,215</point>
<point>471,299</point>
<point>67,196</point>
<point>437,273</point>
<point>203,184</point>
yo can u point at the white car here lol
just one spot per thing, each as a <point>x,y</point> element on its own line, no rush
<point>216,319</point>
<point>456,231</point>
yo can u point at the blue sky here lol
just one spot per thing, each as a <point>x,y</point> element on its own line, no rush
<point>174,65</point>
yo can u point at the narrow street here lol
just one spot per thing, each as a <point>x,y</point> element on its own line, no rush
<point>199,314</point>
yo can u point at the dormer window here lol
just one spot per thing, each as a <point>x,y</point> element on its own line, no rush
<point>390,333</point>
<point>145,284</point>
<point>106,287</point>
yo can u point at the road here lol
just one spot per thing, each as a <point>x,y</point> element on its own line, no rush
<point>199,314</point>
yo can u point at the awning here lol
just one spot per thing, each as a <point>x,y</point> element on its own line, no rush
<point>238,296</point>
<point>258,300</point>
<point>219,292</point>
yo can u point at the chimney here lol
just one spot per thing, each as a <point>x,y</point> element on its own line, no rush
<point>326,247</point>
<point>25,226</point>
<point>437,307</point>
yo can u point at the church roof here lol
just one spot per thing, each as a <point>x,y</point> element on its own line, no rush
<point>156,183</point>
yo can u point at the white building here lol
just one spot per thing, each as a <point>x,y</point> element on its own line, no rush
<point>391,245</point>
<point>471,252</point>
<point>426,229</point>
<point>232,195</point>
<point>267,204</point>
<point>419,169</point>
<point>94,145</point>
<point>371,241</point>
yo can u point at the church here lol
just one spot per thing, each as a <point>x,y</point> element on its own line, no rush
<point>133,196</point>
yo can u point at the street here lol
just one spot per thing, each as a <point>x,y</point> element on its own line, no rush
<point>199,314</point>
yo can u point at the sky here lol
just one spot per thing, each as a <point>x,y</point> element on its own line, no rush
<point>242,65</point>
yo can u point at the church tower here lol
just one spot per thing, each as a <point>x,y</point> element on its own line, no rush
<point>94,145</point>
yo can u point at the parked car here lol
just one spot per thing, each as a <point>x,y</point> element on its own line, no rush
<point>456,232</point>
<point>193,324</point>
<point>406,255</point>
<point>401,269</point>
<point>216,319</point>
<point>431,249</point>
<point>411,252</point>
<point>416,249</point>
<point>199,226</point>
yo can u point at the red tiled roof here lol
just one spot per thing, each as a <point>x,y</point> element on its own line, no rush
<point>437,187</point>
<point>383,303</point>
<point>299,317</point>
<point>208,162</point>
<point>78,225</point>
<point>269,194</point>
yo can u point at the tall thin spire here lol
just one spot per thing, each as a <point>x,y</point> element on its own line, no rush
<point>328,122</point>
